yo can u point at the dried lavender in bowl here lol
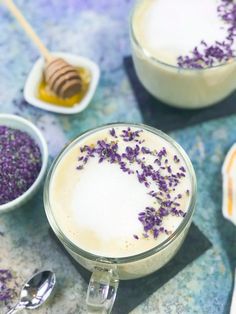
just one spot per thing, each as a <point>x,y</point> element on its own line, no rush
<point>20,163</point>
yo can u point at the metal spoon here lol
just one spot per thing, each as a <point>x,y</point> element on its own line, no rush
<point>35,292</point>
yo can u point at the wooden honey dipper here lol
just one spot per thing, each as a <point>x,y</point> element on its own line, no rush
<point>61,77</point>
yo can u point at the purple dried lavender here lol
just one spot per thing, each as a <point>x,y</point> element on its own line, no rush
<point>7,286</point>
<point>163,178</point>
<point>176,159</point>
<point>113,133</point>
<point>128,135</point>
<point>20,163</point>
<point>208,55</point>
<point>145,150</point>
<point>182,169</point>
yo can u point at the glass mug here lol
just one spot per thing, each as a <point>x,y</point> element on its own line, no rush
<point>106,271</point>
<point>183,88</point>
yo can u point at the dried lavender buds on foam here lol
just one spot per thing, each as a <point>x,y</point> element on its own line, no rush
<point>158,176</point>
<point>206,55</point>
<point>20,163</point>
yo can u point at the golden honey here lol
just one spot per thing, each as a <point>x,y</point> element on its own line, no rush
<point>45,94</point>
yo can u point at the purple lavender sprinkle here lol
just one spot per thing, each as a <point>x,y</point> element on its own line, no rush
<point>157,161</point>
<point>155,233</point>
<point>182,169</point>
<point>176,159</point>
<point>163,178</point>
<point>163,212</point>
<point>113,133</point>
<point>128,135</point>
<point>162,152</point>
<point>219,51</point>
<point>79,167</point>
<point>145,150</point>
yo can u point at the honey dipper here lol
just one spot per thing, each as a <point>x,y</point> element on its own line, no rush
<point>61,77</point>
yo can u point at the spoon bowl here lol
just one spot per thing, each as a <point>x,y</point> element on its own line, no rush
<point>35,291</point>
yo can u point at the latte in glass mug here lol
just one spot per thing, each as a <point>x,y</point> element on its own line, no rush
<point>184,50</point>
<point>120,192</point>
<point>120,198</point>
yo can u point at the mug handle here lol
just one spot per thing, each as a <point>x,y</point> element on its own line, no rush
<point>102,290</point>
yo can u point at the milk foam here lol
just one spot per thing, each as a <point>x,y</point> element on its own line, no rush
<point>97,208</point>
<point>168,29</point>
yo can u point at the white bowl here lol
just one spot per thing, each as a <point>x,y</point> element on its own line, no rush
<point>35,77</point>
<point>19,123</point>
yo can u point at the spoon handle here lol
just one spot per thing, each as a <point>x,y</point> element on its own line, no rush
<point>17,308</point>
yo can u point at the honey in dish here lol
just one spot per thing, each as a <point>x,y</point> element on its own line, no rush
<point>45,94</point>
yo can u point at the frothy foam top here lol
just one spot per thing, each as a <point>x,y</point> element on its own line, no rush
<point>168,29</point>
<point>97,203</point>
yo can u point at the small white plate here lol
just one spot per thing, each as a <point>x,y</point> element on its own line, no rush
<point>19,123</point>
<point>35,77</point>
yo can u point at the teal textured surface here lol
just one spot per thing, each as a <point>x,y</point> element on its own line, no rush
<point>99,30</point>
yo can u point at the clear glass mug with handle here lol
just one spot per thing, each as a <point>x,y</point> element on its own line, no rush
<point>106,271</point>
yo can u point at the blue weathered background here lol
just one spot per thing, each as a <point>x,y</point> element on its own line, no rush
<point>99,30</point>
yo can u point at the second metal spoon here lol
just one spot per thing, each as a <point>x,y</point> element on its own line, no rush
<point>35,292</point>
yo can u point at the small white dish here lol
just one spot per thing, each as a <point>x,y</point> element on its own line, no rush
<point>19,123</point>
<point>35,77</point>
